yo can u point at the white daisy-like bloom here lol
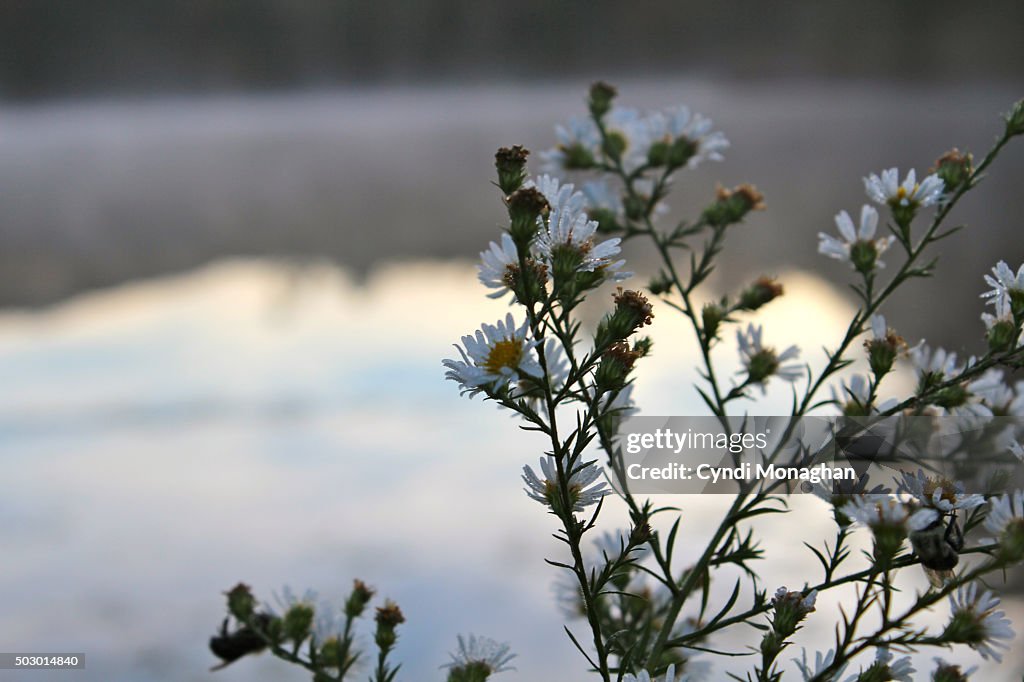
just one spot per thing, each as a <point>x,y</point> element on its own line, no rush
<point>624,123</point>
<point>635,130</point>
<point>876,512</point>
<point>481,651</point>
<point>1003,511</point>
<point>577,131</point>
<point>887,189</point>
<point>857,388</point>
<point>561,196</point>
<point>1005,285</point>
<point>600,196</point>
<point>1017,450</point>
<point>987,627</point>
<point>901,670</point>
<point>938,361</point>
<point>644,676</point>
<point>287,598</point>
<point>806,602</point>
<point>329,622</point>
<point>942,665</point>
<point>571,230</point>
<point>821,662</point>
<point>760,362</point>
<point>938,493</point>
<point>679,122</point>
<point>583,491</point>
<point>498,264</point>
<point>610,545</point>
<point>493,356</point>
<point>843,249</point>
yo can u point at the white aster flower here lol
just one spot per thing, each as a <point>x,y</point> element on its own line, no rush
<point>938,493</point>
<point>679,123</point>
<point>821,662</point>
<point>579,136</point>
<point>644,676</point>
<point>938,362</point>
<point>601,197</point>
<point>498,266</point>
<point>633,129</point>
<point>482,652</point>
<point>561,196</point>
<point>899,671</point>
<point>761,362</point>
<point>581,493</point>
<point>879,512</point>
<point>567,236</point>
<point>493,357</point>
<point>1003,511</point>
<point>952,671</point>
<point>580,145</point>
<point>1006,286</point>
<point>887,190</point>
<point>976,622</point>
<point>857,245</point>
<point>1017,450</point>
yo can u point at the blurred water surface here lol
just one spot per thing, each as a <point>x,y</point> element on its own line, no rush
<point>100,192</point>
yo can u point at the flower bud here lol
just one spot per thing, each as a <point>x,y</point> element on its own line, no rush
<point>762,291</point>
<point>790,609</point>
<point>616,364</point>
<point>882,352</point>
<point>1015,119</point>
<point>388,618</point>
<point>331,653</point>
<point>241,603</point>
<point>632,311</point>
<point>681,151</point>
<point>511,165</point>
<point>297,622</point>
<point>712,316</point>
<point>660,284</point>
<point>658,153</point>
<point>954,168</point>
<point>730,206</point>
<point>601,96</point>
<point>358,599</point>
<point>615,144</point>
<point>524,207</point>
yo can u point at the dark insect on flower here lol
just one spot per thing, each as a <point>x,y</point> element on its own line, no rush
<point>231,646</point>
<point>938,547</point>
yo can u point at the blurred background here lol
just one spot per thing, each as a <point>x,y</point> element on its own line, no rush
<point>237,238</point>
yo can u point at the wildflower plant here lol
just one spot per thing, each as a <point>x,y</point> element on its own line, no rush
<point>645,596</point>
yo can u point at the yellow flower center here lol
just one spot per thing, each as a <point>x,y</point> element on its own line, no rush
<point>505,353</point>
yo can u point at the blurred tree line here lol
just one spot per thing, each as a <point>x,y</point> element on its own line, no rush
<point>67,48</point>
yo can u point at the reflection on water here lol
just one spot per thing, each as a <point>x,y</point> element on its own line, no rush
<point>252,421</point>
